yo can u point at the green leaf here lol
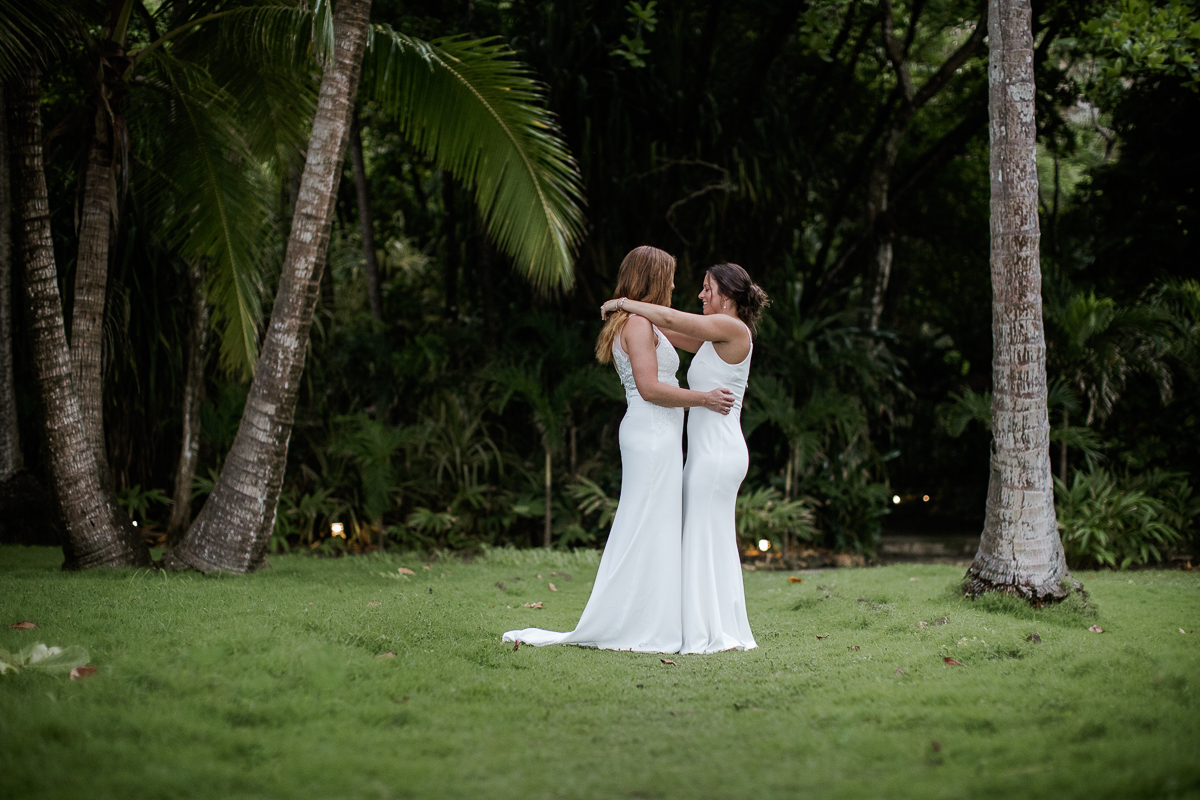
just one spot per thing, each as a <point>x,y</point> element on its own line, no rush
<point>479,114</point>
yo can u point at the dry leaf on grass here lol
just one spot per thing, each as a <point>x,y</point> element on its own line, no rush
<point>538,604</point>
<point>405,571</point>
<point>952,662</point>
<point>373,603</point>
<point>854,647</point>
<point>388,654</point>
<point>794,579</point>
<point>1034,637</point>
<point>819,636</point>
<point>1096,629</point>
<point>900,671</point>
<point>922,624</point>
<point>427,566</point>
<point>539,576</point>
<point>1181,630</point>
<point>668,661</point>
<point>32,626</point>
<point>553,588</point>
<point>914,579</point>
<point>79,673</point>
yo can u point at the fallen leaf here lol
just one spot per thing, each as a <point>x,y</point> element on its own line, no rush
<point>922,624</point>
<point>854,647</point>
<point>373,603</point>
<point>1034,637</point>
<point>539,576</point>
<point>1096,629</point>
<point>32,626</point>
<point>79,673</point>
<point>405,571</point>
<point>1181,630</point>
<point>951,662</point>
<point>388,654</point>
<point>794,579</point>
<point>538,604</point>
<point>553,588</point>
<point>914,579</point>
<point>427,566</point>
<point>552,572</point>
<point>516,644</point>
<point>940,621</point>
<point>900,671</point>
<point>937,746</point>
<point>826,636</point>
<point>668,661</point>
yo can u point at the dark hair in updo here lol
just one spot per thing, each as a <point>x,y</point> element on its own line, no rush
<point>734,283</point>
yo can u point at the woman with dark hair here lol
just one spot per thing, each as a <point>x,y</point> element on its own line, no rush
<point>714,600</point>
<point>635,603</point>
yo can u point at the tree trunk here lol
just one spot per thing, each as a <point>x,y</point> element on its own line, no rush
<point>450,228</point>
<point>546,538</point>
<point>193,393</point>
<point>97,531</point>
<point>10,441</point>
<point>233,530</point>
<point>1020,552</point>
<point>91,283</point>
<point>374,294</point>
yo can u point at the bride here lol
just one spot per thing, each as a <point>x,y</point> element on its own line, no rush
<point>636,601</point>
<point>714,601</point>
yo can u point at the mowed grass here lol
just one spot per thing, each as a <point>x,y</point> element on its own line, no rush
<point>271,686</point>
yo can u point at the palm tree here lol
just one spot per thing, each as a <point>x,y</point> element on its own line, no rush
<point>97,532</point>
<point>10,444</point>
<point>1019,552</point>
<point>475,111</point>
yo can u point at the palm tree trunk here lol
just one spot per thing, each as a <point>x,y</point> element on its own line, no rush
<point>374,294</point>
<point>193,393</point>
<point>1019,552</point>
<point>91,283</point>
<point>97,532</point>
<point>233,530</point>
<point>10,441</point>
<point>546,533</point>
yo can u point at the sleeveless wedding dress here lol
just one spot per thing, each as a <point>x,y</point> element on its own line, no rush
<point>714,600</point>
<point>635,602</point>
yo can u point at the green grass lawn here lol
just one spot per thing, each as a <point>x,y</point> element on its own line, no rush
<point>273,686</point>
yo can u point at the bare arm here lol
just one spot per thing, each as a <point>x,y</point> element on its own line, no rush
<point>716,328</point>
<point>637,338</point>
<point>682,342</point>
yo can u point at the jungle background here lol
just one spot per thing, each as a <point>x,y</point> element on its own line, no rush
<point>770,134</point>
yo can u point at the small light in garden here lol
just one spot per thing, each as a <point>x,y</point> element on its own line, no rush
<point>925,498</point>
<point>337,530</point>
<point>763,544</point>
<point>896,499</point>
<point>135,523</point>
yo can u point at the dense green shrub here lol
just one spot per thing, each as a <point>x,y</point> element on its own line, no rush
<point>1122,522</point>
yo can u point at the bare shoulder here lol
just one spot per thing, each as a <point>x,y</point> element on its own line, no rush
<point>637,331</point>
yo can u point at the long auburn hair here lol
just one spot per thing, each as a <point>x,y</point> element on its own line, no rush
<point>646,275</point>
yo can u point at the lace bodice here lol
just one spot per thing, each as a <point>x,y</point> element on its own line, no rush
<point>668,365</point>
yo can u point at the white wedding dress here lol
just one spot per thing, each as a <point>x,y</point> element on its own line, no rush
<point>714,600</point>
<point>635,602</point>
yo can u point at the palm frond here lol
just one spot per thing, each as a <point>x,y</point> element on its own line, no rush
<point>212,199</point>
<point>479,114</point>
<point>964,409</point>
<point>33,30</point>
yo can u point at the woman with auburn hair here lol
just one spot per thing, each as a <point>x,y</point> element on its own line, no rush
<point>714,600</point>
<point>635,603</point>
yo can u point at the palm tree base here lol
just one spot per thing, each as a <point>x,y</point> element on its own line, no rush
<point>982,579</point>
